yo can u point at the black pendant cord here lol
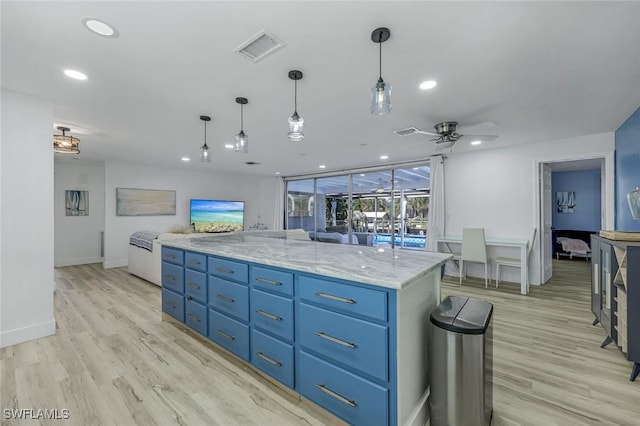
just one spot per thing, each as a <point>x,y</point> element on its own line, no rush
<point>295,96</point>
<point>380,43</point>
<point>205,134</point>
<point>241,118</point>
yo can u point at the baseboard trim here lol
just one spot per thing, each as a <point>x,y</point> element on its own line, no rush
<point>114,263</point>
<point>25,334</point>
<point>80,261</point>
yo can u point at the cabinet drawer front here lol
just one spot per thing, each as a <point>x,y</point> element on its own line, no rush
<point>195,261</point>
<point>195,316</point>
<point>173,304</point>
<point>272,313</point>
<point>230,298</point>
<point>230,334</point>
<point>273,357</point>
<point>350,299</point>
<point>195,285</point>
<point>352,341</point>
<point>172,277</point>
<point>172,255</point>
<point>271,280</point>
<point>348,396</point>
<point>228,269</point>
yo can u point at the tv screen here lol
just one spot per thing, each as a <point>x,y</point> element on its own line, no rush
<point>217,215</point>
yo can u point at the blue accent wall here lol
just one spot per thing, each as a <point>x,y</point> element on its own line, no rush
<point>586,185</point>
<point>627,170</point>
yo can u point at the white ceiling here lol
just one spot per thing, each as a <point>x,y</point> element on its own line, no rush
<point>539,71</point>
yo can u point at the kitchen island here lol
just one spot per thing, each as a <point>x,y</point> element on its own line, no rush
<point>344,326</point>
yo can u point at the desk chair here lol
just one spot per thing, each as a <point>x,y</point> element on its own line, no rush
<point>509,261</point>
<point>474,250</point>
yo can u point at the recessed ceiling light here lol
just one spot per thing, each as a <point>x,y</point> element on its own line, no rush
<point>277,173</point>
<point>229,145</point>
<point>322,166</point>
<point>384,157</point>
<point>185,159</point>
<point>416,168</point>
<point>100,27</point>
<point>361,174</point>
<point>429,84</point>
<point>476,142</point>
<point>77,75</point>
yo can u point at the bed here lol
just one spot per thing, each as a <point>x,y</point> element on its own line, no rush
<point>572,243</point>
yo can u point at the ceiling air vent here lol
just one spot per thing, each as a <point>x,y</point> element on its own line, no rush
<point>260,46</point>
<point>406,132</point>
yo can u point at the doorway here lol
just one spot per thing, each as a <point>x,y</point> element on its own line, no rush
<point>550,201</point>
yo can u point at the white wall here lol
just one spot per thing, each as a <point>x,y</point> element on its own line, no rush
<point>187,185</point>
<point>26,220</point>
<point>495,190</point>
<point>77,238</point>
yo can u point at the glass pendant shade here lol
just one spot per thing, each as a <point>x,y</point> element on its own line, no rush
<point>242,142</point>
<point>381,98</point>
<point>296,125</point>
<point>633,198</point>
<point>64,144</point>
<point>205,157</point>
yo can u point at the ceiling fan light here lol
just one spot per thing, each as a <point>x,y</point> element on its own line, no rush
<point>381,98</point>
<point>63,144</point>
<point>446,143</point>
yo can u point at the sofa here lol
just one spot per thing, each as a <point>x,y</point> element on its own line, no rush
<point>357,238</point>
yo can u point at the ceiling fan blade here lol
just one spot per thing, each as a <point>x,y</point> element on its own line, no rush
<point>479,137</point>
<point>479,128</point>
<point>422,132</point>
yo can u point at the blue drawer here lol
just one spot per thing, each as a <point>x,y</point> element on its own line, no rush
<point>230,298</point>
<point>229,270</point>
<point>172,255</point>
<point>352,398</point>
<point>230,334</point>
<point>272,313</point>
<point>195,261</point>
<point>351,341</point>
<point>273,357</point>
<point>195,285</point>
<point>173,304</point>
<point>272,280</point>
<point>172,277</point>
<point>195,315</point>
<point>343,297</point>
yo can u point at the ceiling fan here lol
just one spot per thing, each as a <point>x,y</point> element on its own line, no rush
<point>447,133</point>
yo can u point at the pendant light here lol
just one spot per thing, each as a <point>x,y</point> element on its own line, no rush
<point>64,144</point>
<point>381,92</point>
<point>633,198</point>
<point>205,157</point>
<point>296,123</point>
<point>242,139</point>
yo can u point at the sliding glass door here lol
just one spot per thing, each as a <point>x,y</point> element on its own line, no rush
<point>381,207</point>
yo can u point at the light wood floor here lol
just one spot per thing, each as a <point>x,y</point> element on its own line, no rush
<point>113,361</point>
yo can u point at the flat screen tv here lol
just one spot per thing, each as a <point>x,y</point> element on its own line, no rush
<point>217,215</point>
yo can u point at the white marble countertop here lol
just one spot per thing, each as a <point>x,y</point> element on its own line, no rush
<point>380,266</point>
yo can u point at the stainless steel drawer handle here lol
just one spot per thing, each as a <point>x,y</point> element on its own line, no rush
<point>193,317</point>
<point>335,340</point>
<point>172,305</point>
<point>225,335</point>
<point>267,281</point>
<point>268,315</point>
<point>194,262</point>
<point>225,270</point>
<point>269,359</point>
<point>192,285</point>
<point>170,277</point>
<point>336,298</point>
<point>225,298</point>
<point>337,396</point>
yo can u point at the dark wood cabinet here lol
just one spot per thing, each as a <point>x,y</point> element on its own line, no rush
<point>615,295</point>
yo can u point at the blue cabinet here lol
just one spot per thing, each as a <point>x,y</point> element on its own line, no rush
<point>335,342</point>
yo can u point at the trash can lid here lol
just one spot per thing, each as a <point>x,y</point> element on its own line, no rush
<point>462,314</point>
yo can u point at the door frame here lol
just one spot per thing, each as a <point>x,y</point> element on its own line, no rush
<point>607,191</point>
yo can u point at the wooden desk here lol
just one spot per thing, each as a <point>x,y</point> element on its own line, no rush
<point>500,242</point>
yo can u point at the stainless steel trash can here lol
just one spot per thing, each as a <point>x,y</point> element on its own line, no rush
<point>461,363</point>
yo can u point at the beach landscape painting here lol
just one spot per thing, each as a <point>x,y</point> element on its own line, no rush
<point>145,202</point>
